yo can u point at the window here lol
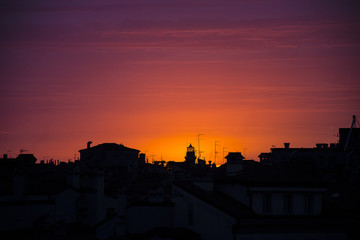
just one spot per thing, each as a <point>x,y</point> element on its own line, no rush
<point>267,203</point>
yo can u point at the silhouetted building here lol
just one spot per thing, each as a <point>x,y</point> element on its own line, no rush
<point>189,169</point>
<point>112,192</point>
<point>266,158</point>
<point>190,155</point>
<point>271,191</point>
<point>349,138</point>
<point>109,155</point>
<point>341,155</point>
<point>234,163</point>
<point>322,156</point>
<point>218,215</point>
<point>119,163</point>
<point>22,160</point>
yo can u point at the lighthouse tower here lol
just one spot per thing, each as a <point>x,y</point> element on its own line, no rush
<point>190,155</point>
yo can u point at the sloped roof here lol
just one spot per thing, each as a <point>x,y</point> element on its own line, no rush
<point>234,155</point>
<point>110,147</point>
<point>218,200</point>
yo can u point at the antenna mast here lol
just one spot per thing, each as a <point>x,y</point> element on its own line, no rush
<point>216,142</point>
<point>352,126</point>
<point>199,155</point>
<point>23,150</point>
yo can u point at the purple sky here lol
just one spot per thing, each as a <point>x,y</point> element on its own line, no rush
<point>153,74</point>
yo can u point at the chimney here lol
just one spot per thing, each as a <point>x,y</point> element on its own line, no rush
<point>89,143</point>
<point>286,145</point>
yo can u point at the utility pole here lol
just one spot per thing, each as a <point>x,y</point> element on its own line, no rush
<point>216,142</point>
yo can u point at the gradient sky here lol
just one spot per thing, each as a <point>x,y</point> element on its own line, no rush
<point>152,74</point>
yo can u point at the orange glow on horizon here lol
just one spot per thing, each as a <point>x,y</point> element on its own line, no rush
<point>173,148</point>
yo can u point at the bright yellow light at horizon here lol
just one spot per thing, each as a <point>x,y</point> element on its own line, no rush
<point>173,148</point>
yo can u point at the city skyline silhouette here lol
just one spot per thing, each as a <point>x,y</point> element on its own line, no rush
<point>158,119</point>
<point>113,191</point>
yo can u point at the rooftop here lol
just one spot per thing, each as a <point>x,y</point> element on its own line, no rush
<point>260,175</point>
<point>218,200</point>
<point>109,147</point>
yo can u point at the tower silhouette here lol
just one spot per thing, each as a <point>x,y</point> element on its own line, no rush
<point>190,155</point>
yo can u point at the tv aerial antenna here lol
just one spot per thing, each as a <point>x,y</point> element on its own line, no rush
<point>199,155</point>
<point>23,150</point>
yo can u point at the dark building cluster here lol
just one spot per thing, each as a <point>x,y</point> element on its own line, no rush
<point>112,192</point>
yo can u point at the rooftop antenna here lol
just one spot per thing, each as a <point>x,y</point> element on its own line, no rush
<point>199,155</point>
<point>352,126</point>
<point>216,144</point>
<point>23,150</point>
<point>358,124</point>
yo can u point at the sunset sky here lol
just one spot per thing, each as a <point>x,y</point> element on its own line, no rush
<point>152,74</point>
